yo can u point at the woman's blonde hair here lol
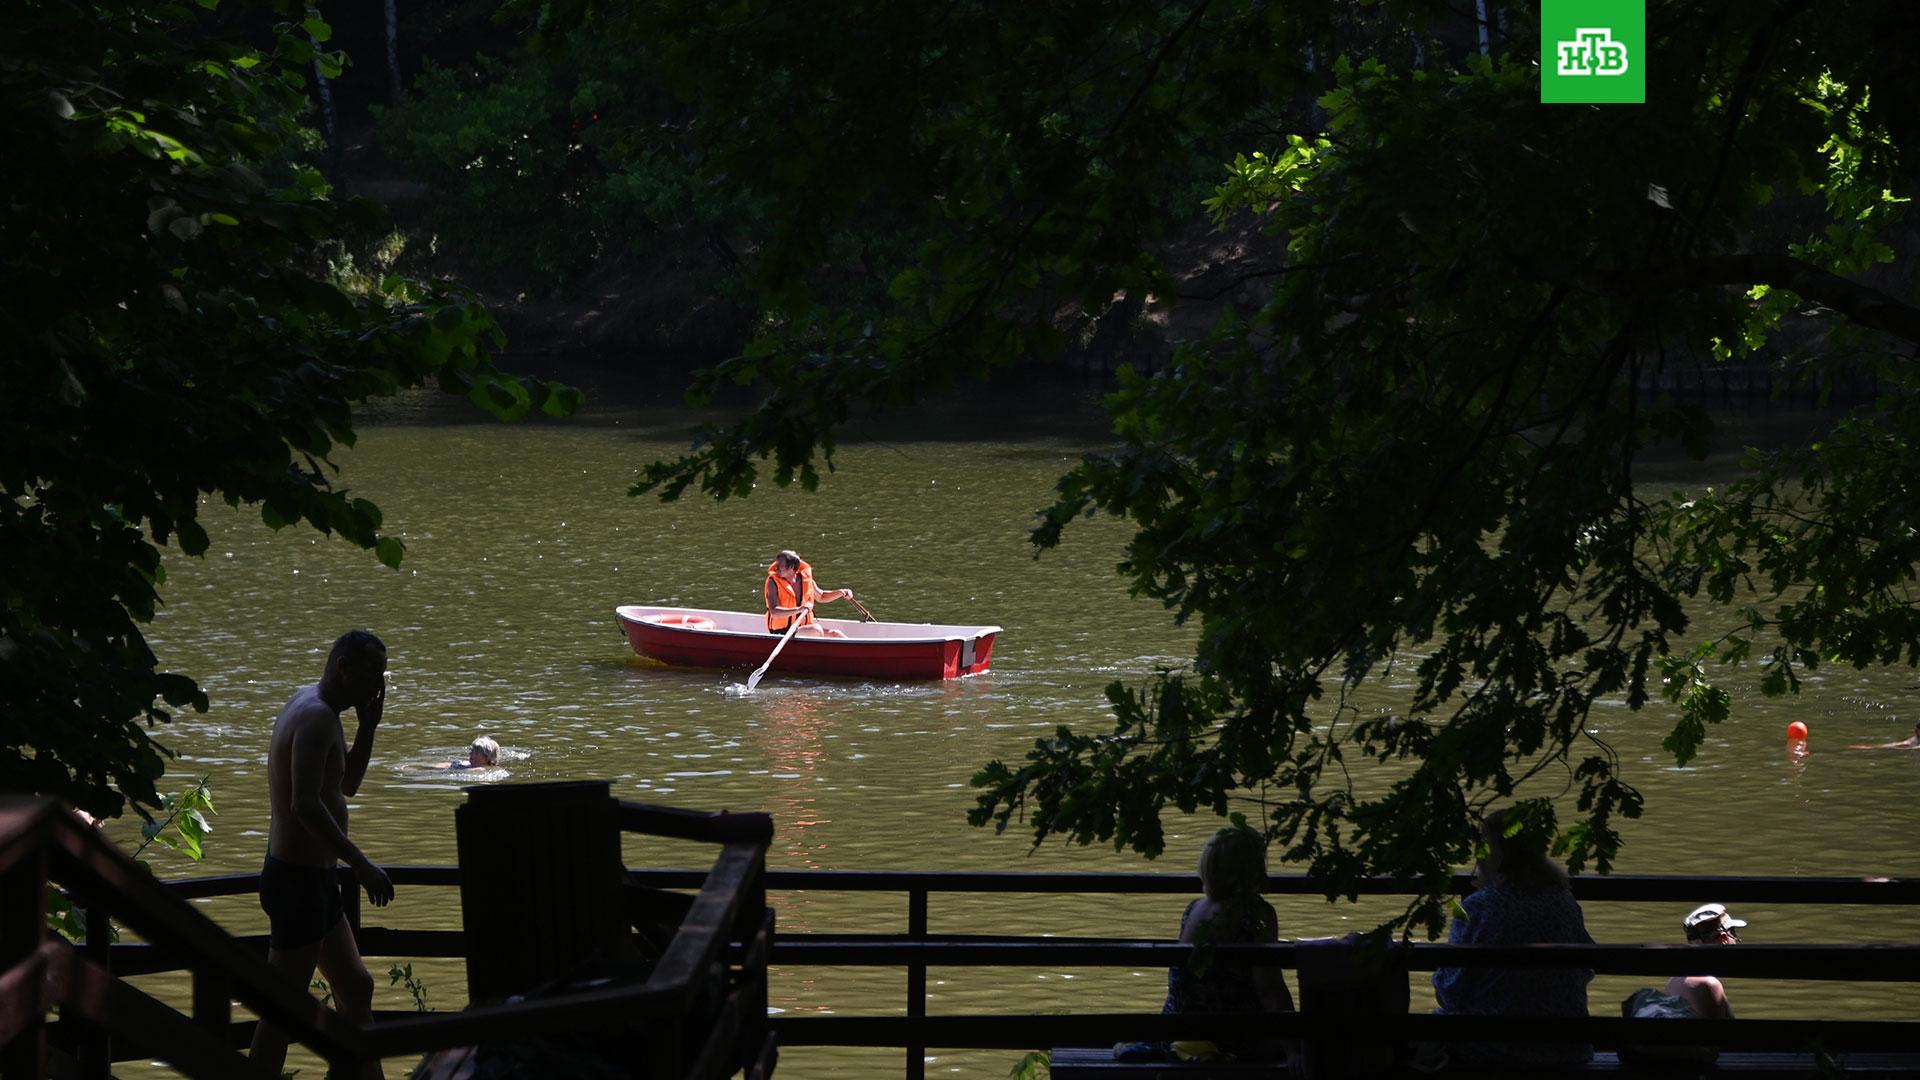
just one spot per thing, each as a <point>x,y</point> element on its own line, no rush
<point>1234,863</point>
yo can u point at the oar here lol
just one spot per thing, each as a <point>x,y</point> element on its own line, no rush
<point>865,615</point>
<point>753,680</point>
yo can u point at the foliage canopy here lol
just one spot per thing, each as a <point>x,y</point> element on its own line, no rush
<point>544,167</point>
<point>171,331</point>
<point>1415,454</point>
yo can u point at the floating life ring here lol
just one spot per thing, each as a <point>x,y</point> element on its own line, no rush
<point>690,622</point>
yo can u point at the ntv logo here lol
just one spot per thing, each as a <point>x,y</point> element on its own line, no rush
<point>1592,52</point>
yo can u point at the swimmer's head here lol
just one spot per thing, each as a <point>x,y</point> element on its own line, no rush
<point>484,751</point>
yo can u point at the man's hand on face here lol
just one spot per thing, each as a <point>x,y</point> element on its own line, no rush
<point>369,711</point>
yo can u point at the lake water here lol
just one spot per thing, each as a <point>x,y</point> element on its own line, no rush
<point>521,541</point>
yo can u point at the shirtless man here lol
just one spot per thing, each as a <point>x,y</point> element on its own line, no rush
<point>1708,924</point>
<point>311,772</point>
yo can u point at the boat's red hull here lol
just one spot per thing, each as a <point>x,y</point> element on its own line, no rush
<point>908,652</point>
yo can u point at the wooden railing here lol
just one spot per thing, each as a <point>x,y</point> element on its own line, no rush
<point>41,841</point>
<point>703,1005</point>
<point>918,949</point>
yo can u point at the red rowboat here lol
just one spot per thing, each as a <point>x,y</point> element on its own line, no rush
<point>697,637</point>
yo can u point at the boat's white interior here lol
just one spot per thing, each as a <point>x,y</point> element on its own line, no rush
<point>746,622</point>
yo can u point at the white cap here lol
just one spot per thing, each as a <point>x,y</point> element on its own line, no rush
<point>1709,917</point>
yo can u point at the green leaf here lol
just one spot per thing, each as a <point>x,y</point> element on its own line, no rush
<point>562,400</point>
<point>63,917</point>
<point>390,551</point>
<point>503,398</point>
<point>192,829</point>
<point>191,537</point>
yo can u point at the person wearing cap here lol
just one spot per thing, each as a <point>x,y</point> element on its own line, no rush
<point>1685,997</point>
<point>1708,924</point>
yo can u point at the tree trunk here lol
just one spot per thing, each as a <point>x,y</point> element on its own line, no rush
<point>1480,16</point>
<point>329,123</point>
<point>393,53</point>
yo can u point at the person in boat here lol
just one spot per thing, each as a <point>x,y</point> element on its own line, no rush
<point>1911,742</point>
<point>484,753</point>
<point>311,772</point>
<point>791,594</point>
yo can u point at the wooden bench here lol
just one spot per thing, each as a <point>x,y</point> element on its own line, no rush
<point>1097,1063</point>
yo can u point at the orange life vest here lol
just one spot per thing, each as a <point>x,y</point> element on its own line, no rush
<point>780,594</point>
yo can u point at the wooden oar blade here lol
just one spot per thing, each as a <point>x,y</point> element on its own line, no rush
<point>753,680</point>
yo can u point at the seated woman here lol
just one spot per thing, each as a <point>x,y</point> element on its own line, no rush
<point>1521,897</point>
<point>1233,873</point>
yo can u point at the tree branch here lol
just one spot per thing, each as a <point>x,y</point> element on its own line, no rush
<point>1865,305</point>
<point>1255,275</point>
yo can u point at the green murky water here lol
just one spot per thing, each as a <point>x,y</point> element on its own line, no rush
<point>521,541</point>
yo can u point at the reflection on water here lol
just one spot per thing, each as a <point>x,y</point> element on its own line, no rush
<point>791,736</point>
<point>521,542</point>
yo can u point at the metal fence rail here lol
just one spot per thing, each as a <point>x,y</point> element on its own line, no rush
<point>917,949</point>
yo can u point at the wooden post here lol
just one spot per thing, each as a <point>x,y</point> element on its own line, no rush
<point>916,981</point>
<point>540,884</point>
<point>23,900</point>
<point>96,1043</point>
<point>212,1002</point>
<point>754,929</point>
<point>1344,982</point>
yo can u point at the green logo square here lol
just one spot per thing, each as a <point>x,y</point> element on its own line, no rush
<point>1593,51</point>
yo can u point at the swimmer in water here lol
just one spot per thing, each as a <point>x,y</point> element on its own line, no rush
<point>1911,742</point>
<point>483,754</point>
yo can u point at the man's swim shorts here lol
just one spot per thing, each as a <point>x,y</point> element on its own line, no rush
<point>302,902</point>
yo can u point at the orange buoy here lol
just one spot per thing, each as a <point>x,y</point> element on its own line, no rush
<point>1797,732</point>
